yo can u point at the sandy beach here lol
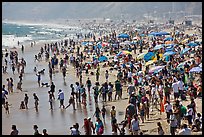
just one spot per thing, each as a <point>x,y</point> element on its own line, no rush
<point>58,121</point>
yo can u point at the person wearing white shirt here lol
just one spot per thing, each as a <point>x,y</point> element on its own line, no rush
<point>185,130</point>
<point>189,114</point>
<point>168,107</point>
<point>129,76</point>
<point>180,87</point>
<point>175,89</point>
<point>173,122</point>
<point>61,98</point>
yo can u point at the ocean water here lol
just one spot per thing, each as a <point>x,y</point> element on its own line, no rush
<point>26,33</point>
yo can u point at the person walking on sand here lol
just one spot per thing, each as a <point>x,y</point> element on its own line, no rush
<point>64,72</point>
<point>106,75</point>
<point>160,129</point>
<point>97,75</point>
<point>103,112</point>
<point>71,101</point>
<point>135,125</point>
<point>88,83</point>
<point>61,98</point>
<point>26,101</point>
<point>36,101</point>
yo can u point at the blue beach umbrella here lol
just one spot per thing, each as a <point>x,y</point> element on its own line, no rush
<point>123,35</point>
<point>84,43</point>
<point>163,33</point>
<point>169,53</point>
<point>169,47</point>
<point>149,56</point>
<point>158,47</point>
<point>102,58</point>
<point>168,39</point>
<point>191,44</point>
<point>196,69</point>
<point>184,50</point>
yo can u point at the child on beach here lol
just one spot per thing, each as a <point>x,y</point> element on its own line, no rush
<point>6,106</point>
<point>26,101</point>
<point>22,105</point>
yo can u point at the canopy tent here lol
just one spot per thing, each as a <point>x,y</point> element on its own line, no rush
<point>196,69</point>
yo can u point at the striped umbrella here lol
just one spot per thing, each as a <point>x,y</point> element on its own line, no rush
<point>156,68</point>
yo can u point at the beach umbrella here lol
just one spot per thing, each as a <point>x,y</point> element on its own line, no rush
<point>184,50</point>
<point>191,44</point>
<point>142,35</point>
<point>84,43</point>
<point>168,39</point>
<point>169,53</point>
<point>158,47</point>
<point>102,58</point>
<point>169,47</point>
<point>181,65</point>
<point>163,33</point>
<point>99,46</point>
<point>150,62</point>
<point>134,38</point>
<point>198,41</point>
<point>156,68</point>
<point>125,52</point>
<point>149,56</point>
<point>123,35</point>
<point>196,69</point>
<point>154,34</point>
<point>140,56</point>
<point>185,41</point>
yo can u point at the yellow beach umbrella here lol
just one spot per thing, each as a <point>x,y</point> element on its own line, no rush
<point>150,62</point>
<point>140,56</point>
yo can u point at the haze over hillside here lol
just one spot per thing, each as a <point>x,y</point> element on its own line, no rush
<point>80,10</point>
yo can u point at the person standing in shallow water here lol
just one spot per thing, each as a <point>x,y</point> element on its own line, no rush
<point>26,101</point>
<point>36,101</point>
<point>14,130</point>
